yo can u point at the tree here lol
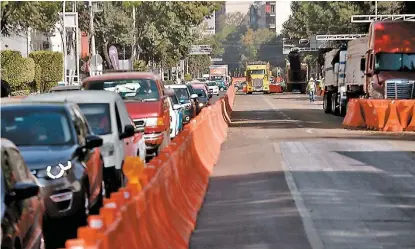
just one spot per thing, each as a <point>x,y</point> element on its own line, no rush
<point>18,16</point>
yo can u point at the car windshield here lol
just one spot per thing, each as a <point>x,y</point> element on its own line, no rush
<point>216,77</point>
<point>258,71</point>
<point>395,62</point>
<point>129,89</point>
<point>175,100</point>
<point>28,127</point>
<point>182,94</point>
<point>211,84</point>
<point>200,93</point>
<point>98,117</point>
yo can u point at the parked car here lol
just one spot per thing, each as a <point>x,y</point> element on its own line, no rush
<point>185,98</point>
<point>145,100</point>
<point>60,150</point>
<point>21,201</point>
<point>64,88</point>
<point>108,118</point>
<point>240,85</point>
<point>202,95</point>
<point>179,111</point>
<point>213,88</point>
<point>176,117</point>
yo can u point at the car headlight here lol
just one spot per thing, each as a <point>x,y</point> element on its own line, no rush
<point>154,121</point>
<point>200,104</point>
<point>53,172</point>
<point>107,150</point>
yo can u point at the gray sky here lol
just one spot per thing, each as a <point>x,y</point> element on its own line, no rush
<point>282,10</point>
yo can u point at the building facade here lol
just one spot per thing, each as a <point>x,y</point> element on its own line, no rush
<point>262,15</point>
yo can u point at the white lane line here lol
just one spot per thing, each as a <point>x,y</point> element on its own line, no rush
<point>309,131</point>
<point>280,111</point>
<point>311,232</point>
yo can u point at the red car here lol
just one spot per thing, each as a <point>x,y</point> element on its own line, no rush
<point>146,101</point>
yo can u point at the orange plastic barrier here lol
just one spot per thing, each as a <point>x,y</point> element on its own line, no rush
<point>275,88</point>
<point>381,114</point>
<point>158,208</point>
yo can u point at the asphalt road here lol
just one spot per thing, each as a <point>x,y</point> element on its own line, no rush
<point>290,177</point>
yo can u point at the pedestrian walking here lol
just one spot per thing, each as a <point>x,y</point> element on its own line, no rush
<point>311,89</point>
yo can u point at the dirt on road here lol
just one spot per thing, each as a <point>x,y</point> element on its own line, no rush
<point>290,176</point>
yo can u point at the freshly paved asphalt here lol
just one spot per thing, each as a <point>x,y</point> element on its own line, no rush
<point>290,177</point>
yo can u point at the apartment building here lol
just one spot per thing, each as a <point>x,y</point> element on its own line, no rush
<point>262,15</point>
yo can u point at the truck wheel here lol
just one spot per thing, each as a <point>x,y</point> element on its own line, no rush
<point>327,103</point>
<point>334,108</point>
<point>343,109</point>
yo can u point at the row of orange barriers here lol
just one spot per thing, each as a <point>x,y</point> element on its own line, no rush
<point>159,206</point>
<point>381,114</point>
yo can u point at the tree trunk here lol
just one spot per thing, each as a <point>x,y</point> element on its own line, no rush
<point>106,56</point>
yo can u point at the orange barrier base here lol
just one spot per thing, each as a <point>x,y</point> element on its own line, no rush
<point>381,114</point>
<point>275,88</point>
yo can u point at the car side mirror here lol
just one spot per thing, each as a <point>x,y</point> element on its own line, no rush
<point>194,96</point>
<point>200,95</point>
<point>129,131</point>
<point>93,141</point>
<point>22,191</point>
<point>176,107</point>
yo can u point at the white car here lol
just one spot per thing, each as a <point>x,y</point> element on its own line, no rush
<point>176,116</point>
<point>108,118</point>
<point>213,88</point>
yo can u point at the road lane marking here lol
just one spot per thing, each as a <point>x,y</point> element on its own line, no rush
<point>279,111</point>
<point>311,232</point>
<point>309,131</point>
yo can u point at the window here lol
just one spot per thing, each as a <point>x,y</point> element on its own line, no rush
<point>182,94</point>
<point>32,127</point>
<point>272,9</point>
<point>395,62</point>
<point>117,116</point>
<point>130,89</point>
<point>98,116</point>
<point>201,93</point>
<point>257,71</point>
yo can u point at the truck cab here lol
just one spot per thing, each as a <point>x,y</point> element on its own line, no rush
<point>258,75</point>
<point>389,65</point>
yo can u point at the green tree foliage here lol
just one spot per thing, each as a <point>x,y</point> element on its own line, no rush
<point>187,77</point>
<point>50,72</point>
<point>18,16</point>
<point>16,70</point>
<point>199,64</point>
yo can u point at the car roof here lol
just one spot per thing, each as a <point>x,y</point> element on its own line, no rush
<point>57,88</point>
<point>49,105</point>
<point>87,96</point>
<point>199,86</point>
<point>177,86</point>
<point>123,75</point>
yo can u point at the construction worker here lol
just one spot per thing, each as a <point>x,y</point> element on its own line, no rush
<point>311,89</point>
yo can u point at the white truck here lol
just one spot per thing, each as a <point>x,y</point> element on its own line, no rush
<point>344,78</point>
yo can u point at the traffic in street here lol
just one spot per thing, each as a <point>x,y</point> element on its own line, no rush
<point>289,176</point>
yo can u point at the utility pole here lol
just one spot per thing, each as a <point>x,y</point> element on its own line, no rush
<point>64,41</point>
<point>376,9</point>
<point>91,28</point>
<point>134,40</point>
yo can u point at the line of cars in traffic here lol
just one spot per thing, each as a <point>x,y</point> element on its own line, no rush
<point>62,152</point>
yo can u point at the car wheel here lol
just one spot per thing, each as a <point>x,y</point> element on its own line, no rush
<point>221,89</point>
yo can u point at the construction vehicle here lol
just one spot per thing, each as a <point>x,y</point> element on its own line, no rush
<point>258,74</point>
<point>389,64</point>
<point>343,77</point>
<point>296,73</point>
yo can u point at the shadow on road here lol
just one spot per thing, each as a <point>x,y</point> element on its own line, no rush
<point>291,118</point>
<point>349,208</point>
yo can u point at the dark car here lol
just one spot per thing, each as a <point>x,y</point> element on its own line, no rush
<point>61,151</point>
<point>21,202</point>
<point>194,98</point>
<point>203,96</point>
